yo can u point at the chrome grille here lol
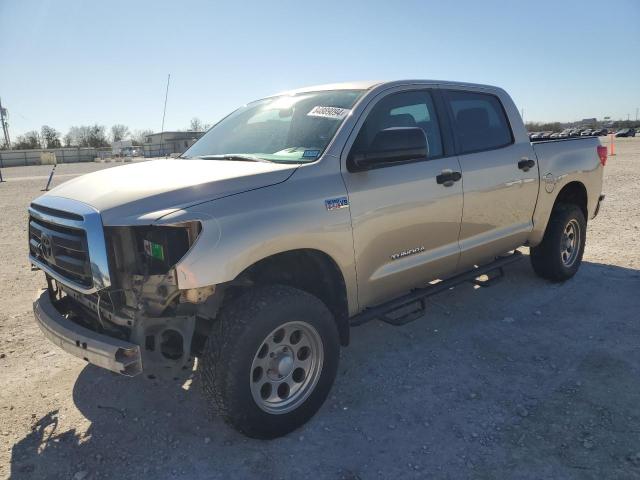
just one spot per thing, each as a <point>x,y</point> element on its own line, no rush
<point>66,240</point>
<point>64,249</point>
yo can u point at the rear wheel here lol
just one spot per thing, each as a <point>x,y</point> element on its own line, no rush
<point>271,362</point>
<point>559,255</point>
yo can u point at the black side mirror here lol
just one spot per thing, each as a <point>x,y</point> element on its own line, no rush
<point>391,145</point>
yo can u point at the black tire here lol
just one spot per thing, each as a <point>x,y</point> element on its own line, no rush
<point>547,258</point>
<point>238,335</point>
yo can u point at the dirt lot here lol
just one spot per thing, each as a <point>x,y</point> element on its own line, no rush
<point>524,380</point>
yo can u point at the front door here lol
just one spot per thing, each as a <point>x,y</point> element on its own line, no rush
<point>405,223</point>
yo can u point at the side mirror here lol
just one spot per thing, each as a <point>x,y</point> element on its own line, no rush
<point>391,145</point>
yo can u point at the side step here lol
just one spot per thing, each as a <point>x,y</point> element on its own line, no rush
<point>411,306</point>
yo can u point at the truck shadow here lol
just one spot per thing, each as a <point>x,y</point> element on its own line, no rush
<point>486,386</point>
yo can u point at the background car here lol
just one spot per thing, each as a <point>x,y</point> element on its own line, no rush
<point>626,132</point>
<point>599,132</point>
<point>586,133</point>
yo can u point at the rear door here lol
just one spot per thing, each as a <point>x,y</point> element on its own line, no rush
<point>499,175</point>
<point>405,223</point>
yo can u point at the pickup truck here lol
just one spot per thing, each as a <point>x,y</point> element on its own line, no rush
<point>298,216</point>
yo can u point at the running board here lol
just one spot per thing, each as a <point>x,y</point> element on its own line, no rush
<point>411,306</point>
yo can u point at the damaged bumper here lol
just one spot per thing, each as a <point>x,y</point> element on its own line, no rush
<point>101,350</point>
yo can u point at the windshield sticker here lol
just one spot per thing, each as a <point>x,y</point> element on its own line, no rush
<point>310,153</point>
<point>335,113</point>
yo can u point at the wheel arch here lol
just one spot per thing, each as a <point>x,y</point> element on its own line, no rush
<point>307,269</point>
<point>574,193</point>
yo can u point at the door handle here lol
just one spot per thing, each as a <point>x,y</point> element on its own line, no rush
<point>448,177</point>
<point>526,163</point>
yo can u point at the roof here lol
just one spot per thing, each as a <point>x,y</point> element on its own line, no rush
<point>361,85</point>
<point>368,85</point>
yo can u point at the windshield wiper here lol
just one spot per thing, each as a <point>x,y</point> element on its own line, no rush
<point>231,156</point>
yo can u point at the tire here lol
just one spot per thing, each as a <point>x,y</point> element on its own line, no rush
<point>236,367</point>
<point>553,259</point>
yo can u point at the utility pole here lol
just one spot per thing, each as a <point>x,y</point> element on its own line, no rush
<point>164,112</point>
<point>5,125</point>
<point>637,114</point>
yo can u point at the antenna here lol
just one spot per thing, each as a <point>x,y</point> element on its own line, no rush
<point>164,112</point>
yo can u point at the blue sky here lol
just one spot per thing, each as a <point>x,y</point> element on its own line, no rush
<point>65,63</point>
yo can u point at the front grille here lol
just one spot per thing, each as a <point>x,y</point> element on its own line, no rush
<point>62,248</point>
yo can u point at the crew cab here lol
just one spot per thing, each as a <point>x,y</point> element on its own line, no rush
<point>295,218</point>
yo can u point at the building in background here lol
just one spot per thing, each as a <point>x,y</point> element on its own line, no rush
<point>122,148</point>
<point>168,143</point>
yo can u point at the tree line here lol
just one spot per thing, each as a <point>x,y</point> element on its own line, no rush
<point>82,136</point>
<point>96,136</point>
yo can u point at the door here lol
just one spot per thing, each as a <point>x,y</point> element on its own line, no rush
<point>405,223</point>
<point>500,177</point>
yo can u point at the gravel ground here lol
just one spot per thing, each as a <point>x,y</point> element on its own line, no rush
<point>524,380</point>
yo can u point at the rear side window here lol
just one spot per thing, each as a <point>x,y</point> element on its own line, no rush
<point>479,121</point>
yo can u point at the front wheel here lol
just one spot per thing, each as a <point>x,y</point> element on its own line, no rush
<point>271,361</point>
<point>559,255</point>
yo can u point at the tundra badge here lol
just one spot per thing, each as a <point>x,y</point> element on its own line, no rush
<point>406,253</point>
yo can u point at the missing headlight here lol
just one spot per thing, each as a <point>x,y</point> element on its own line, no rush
<point>161,247</point>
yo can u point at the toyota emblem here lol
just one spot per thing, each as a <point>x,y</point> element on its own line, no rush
<point>45,245</point>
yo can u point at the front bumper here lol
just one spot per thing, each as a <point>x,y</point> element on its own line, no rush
<point>101,350</point>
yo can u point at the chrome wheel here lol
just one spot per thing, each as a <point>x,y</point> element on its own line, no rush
<point>286,367</point>
<point>570,243</point>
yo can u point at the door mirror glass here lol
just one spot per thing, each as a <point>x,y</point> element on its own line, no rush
<point>390,145</point>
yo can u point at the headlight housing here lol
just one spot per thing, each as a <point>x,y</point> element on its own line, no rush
<point>161,247</point>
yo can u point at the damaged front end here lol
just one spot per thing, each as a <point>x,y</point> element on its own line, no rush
<point>143,303</point>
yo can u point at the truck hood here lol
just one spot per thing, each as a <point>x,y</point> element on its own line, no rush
<point>140,193</point>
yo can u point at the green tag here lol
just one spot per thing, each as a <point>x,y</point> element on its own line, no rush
<point>154,250</point>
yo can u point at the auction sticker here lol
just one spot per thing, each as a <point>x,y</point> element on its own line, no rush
<point>335,113</point>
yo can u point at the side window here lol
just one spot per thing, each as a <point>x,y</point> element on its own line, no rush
<point>479,121</point>
<point>405,109</point>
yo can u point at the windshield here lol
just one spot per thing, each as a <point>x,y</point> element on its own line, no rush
<point>286,128</point>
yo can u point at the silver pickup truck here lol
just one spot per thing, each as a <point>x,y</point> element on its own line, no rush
<point>295,218</point>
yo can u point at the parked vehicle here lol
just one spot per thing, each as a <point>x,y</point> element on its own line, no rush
<point>599,132</point>
<point>626,132</point>
<point>541,135</point>
<point>566,133</point>
<point>292,220</point>
<point>586,132</point>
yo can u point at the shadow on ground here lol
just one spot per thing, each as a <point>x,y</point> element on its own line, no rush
<point>522,380</point>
